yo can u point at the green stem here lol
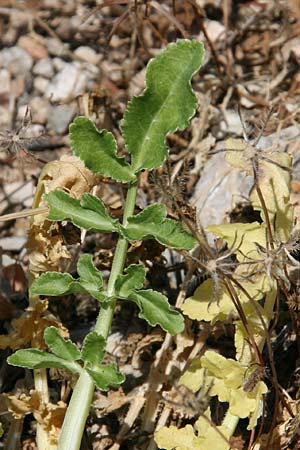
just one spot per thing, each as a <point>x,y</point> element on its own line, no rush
<point>79,406</point>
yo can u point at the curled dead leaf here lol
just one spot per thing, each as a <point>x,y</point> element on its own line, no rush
<point>46,244</point>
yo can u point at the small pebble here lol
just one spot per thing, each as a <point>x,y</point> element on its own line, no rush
<point>39,109</point>
<point>41,84</point>
<point>33,47</point>
<point>18,191</point>
<point>58,63</point>
<point>44,68</point>
<point>13,244</point>
<point>5,117</point>
<point>87,54</point>
<point>56,48</point>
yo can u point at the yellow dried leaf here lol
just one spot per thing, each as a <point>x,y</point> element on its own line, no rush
<point>68,173</point>
<point>242,238</point>
<point>170,438</point>
<point>228,380</point>
<point>51,417</point>
<point>208,436</point>
<point>195,377</point>
<point>202,307</point>
<point>211,437</point>
<point>239,154</point>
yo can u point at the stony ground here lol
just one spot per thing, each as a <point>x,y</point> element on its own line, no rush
<point>59,59</point>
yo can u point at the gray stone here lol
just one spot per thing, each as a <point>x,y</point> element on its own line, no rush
<point>44,68</point>
<point>60,117</point>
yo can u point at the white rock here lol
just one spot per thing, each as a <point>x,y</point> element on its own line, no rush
<point>4,81</point>
<point>112,70</point>
<point>16,60</point>
<point>13,244</point>
<point>87,54</point>
<point>44,68</point>
<point>7,260</point>
<point>68,83</point>
<point>41,84</point>
<point>214,29</point>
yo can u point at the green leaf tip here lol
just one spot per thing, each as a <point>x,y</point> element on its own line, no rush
<point>63,348</point>
<point>93,349</point>
<point>98,150</point>
<point>167,104</point>
<point>156,310</point>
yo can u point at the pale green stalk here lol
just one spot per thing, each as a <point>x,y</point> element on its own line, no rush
<point>79,406</point>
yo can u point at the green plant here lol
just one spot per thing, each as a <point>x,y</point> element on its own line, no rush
<point>167,104</point>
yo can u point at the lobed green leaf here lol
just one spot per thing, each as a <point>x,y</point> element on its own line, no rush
<point>167,104</point>
<point>98,150</point>
<point>89,212</point>
<point>169,232</point>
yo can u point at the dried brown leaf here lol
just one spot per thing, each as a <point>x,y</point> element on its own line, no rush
<point>30,326</point>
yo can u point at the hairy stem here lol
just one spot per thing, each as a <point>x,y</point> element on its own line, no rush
<point>78,408</point>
